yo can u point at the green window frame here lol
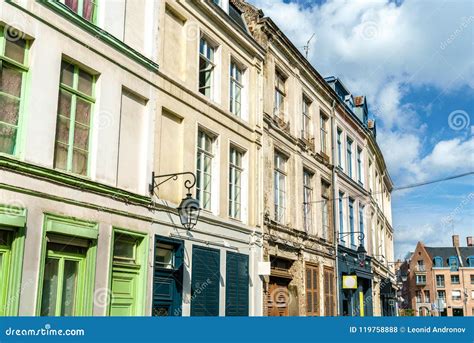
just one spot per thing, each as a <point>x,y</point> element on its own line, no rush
<point>74,121</point>
<point>12,229</point>
<point>71,233</point>
<point>14,62</point>
<point>79,7</point>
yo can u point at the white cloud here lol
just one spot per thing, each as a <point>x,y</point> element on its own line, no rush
<point>450,155</point>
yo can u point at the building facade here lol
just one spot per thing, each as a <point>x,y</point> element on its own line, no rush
<point>97,97</point>
<point>440,280</point>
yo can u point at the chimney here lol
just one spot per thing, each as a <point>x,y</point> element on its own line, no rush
<point>455,240</point>
<point>469,241</point>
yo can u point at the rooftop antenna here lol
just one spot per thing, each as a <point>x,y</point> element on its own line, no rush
<point>306,47</point>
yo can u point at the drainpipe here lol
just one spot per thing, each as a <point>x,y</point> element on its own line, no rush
<point>336,235</point>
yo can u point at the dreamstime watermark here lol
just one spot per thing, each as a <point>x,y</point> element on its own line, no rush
<point>197,292</point>
<point>44,331</point>
<point>459,120</point>
<point>13,32</point>
<point>103,297</point>
<point>446,220</point>
<point>459,30</point>
<point>369,30</point>
<point>106,119</point>
<point>192,31</point>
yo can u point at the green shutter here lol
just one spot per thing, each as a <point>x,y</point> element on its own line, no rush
<point>237,285</point>
<point>205,282</point>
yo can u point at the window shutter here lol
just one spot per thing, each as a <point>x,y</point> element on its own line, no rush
<point>205,282</point>
<point>237,284</point>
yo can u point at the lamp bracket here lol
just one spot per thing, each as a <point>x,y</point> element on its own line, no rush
<point>189,183</point>
<point>360,237</point>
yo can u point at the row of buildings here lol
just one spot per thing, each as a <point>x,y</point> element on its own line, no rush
<point>97,97</point>
<point>438,281</point>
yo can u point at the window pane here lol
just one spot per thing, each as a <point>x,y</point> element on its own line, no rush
<point>79,162</point>
<point>124,249</point>
<point>164,257</point>
<point>15,49</point>
<point>62,130</point>
<point>9,110</point>
<point>50,287</point>
<point>67,73</point>
<point>309,302</point>
<point>83,111</point>
<point>81,137</point>
<point>60,156</point>
<point>10,80</point>
<point>85,82</point>
<point>69,288</point>
<point>88,9</point>
<point>72,4</point>
<point>64,103</point>
<point>7,139</point>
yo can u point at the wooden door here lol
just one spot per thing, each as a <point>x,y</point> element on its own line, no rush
<point>278,300</point>
<point>124,289</point>
<point>329,290</point>
<point>312,290</point>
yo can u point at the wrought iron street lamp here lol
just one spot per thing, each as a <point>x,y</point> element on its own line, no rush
<point>361,252</point>
<point>189,208</point>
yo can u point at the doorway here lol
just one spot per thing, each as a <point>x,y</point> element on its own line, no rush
<point>458,312</point>
<point>278,298</point>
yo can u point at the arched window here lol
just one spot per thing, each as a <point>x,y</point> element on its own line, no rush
<point>438,262</point>
<point>453,263</point>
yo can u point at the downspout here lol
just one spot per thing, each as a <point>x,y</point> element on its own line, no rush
<point>334,217</point>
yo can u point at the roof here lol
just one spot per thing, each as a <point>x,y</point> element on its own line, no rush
<point>236,15</point>
<point>446,252</point>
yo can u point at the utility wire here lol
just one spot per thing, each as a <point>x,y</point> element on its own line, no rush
<point>415,185</point>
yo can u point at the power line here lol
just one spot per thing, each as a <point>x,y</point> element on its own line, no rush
<point>415,185</point>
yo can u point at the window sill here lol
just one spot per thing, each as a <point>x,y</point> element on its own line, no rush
<point>100,34</point>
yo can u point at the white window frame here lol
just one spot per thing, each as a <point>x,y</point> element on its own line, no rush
<point>280,95</point>
<point>306,118</point>
<point>307,200</point>
<point>202,156</point>
<point>236,83</point>
<point>204,54</point>
<point>236,169</point>
<point>323,119</point>
<point>279,188</point>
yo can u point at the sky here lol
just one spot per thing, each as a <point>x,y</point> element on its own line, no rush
<point>414,60</point>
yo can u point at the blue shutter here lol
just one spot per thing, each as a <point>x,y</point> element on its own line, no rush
<point>205,282</point>
<point>237,285</point>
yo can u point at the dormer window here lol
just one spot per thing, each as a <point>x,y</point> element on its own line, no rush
<point>453,263</point>
<point>470,261</point>
<point>438,262</point>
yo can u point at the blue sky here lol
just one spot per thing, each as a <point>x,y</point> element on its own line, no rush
<point>414,60</point>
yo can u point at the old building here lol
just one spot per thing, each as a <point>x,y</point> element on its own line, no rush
<point>440,280</point>
<point>326,189</point>
<point>95,97</point>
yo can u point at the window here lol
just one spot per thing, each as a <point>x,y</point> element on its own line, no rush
<point>324,133</point>
<point>205,156</point>
<point>206,67</point>
<point>280,187</point>
<point>441,295</point>
<point>439,280</point>
<point>306,119</point>
<point>237,284</point>
<point>420,266</point>
<point>13,70</point>
<point>341,213</point>
<point>236,87</point>
<point>370,176</point>
<point>64,278</point>
<point>418,296</point>
<point>456,295</point>
<point>421,279</point>
<point>85,8</point>
<point>339,148</point>
<point>349,157</point>
<point>235,183</point>
<point>325,195</point>
<point>455,279</point>
<point>165,256</point>
<point>470,261</point>
<point>125,249</point>
<point>453,263</point>
<point>427,296</point>
<point>307,200</point>
<point>280,94</point>
<point>351,221</point>
<point>75,104</point>
<point>312,291</point>
<point>438,262</point>
<point>205,281</point>
<point>359,165</point>
<point>361,219</point>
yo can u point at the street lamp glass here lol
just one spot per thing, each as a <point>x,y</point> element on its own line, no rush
<point>188,211</point>
<point>361,253</point>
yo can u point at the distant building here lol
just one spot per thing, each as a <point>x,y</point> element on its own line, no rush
<point>440,280</point>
